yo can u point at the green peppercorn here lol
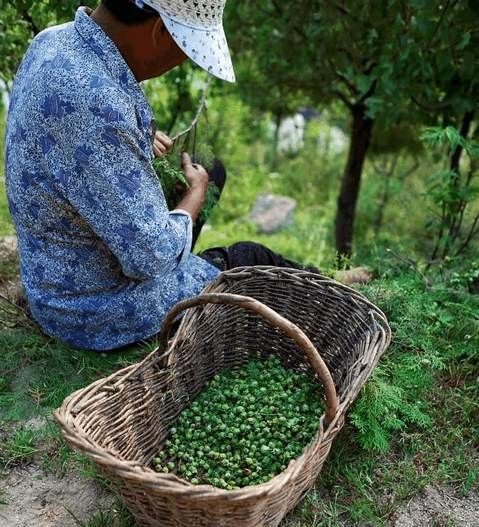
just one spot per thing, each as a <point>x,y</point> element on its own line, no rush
<point>244,427</point>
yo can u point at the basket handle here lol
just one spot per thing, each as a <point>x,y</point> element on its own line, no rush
<point>275,320</point>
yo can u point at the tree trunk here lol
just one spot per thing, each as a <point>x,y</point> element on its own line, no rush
<point>361,132</point>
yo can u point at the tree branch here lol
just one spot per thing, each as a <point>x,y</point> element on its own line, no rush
<point>430,107</point>
<point>343,98</point>
<point>343,10</point>
<point>370,91</point>
<point>343,78</point>
<point>440,21</point>
<point>472,232</point>
<point>34,28</point>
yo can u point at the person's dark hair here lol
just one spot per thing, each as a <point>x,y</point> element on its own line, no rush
<point>127,12</point>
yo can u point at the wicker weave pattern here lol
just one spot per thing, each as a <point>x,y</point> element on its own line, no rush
<point>204,14</point>
<point>122,421</point>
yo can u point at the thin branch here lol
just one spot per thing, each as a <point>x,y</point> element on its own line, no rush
<point>410,171</point>
<point>370,91</point>
<point>464,132</point>
<point>198,113</point>
<point>441,20</point>
<point>430,107</point>
<point>13,314</point>
<point>463,203</point>
<point>439,237</point>
<point>343,97</point>
<point>343,10</point>
<point>347,52</point>
<point>278,8</point>
<point>28,18</point>
<point>455,215</point>
<point>280,12</point>
<point>352,88</point>
<point>472,232</point>
<point>370,68</point>
<point>411,264</point>
<point>387,173</point>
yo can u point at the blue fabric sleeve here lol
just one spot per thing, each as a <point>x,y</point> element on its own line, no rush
<point>189,233</point>
<point>106,174</point>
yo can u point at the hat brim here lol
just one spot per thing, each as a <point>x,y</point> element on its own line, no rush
<point>206,47</point>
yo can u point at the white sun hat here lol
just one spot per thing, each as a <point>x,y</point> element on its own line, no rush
<point>197,28</point>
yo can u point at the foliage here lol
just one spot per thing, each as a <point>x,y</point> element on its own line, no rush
<point>415,422</point>
<point>38,373</point>
<point>433,328</point>
<point>381,54</point>
<point>245,427</point>
<point>21,20</point>
<point>387,63</point>
<point>466,278</point>
<point>174,184</point>
<point>399,64</point>
<point>436,322</point>
<point>19,448</point>
<point>116,516</point>
<point>173,97</point>
<point>169,177</point>
<point>453,193</point>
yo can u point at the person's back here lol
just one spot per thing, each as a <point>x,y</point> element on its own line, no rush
<point>102,259</point>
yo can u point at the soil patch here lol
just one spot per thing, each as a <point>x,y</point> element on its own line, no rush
<point>34,498</point>
<point>440,507</point>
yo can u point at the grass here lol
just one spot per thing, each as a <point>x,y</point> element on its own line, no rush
<point>38,372</point>
<point>116,516</point>
<point>431,363</point>
<point>18,448</point>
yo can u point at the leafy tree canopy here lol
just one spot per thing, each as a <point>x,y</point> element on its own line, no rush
<point>21,20</point>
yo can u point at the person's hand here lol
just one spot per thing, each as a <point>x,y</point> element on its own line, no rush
<point>196,175</point>
<point>198,180</point>
<point>162,144</point>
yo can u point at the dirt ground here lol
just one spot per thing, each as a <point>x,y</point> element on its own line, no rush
<point>440,507</point>
<point>36,499</point>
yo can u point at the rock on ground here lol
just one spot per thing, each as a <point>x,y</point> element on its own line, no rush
<point>11,289</point>
<point>36,499</point>
<point>8,246</point>
<point>440,507</point>
<point>271,212</point>
<point>357,275</point>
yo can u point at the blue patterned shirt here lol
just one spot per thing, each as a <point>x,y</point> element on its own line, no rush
<point>102,259</point>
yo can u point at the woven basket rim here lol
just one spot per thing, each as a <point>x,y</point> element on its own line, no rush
<point>317,279</point>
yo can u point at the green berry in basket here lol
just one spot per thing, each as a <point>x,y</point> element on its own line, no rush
<point>245,427</point>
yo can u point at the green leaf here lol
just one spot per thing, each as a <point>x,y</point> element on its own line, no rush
<point>453,136</point>
<point>465,39</point>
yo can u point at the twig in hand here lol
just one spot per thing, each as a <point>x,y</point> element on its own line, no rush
<point>198,113</point>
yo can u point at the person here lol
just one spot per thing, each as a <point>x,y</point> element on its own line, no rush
<point>102,259</point>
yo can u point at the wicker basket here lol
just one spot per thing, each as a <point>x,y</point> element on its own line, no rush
<point>122,421</point>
